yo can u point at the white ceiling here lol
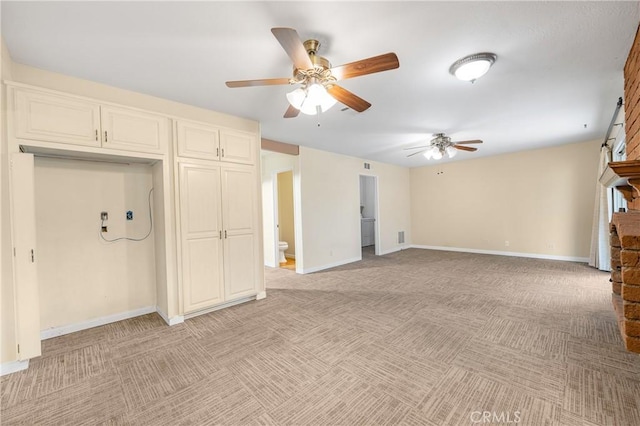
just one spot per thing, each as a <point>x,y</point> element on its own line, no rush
<point>559,65</point>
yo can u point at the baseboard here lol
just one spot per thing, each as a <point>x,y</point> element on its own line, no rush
<point>505,253</point>
<point>393,250</point>
<point>178,319</point>
<point>96,322</point>
<point>261,295</point>
<point>13,367</point>
<point>331,265</point>
<point>289,255</point>
<point>222,306</point>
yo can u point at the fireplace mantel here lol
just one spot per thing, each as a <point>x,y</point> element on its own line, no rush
<point>624,176</point>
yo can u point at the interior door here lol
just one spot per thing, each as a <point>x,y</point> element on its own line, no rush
<point>24,262</point>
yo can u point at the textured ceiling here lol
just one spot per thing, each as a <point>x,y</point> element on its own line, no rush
<point>559,65</point>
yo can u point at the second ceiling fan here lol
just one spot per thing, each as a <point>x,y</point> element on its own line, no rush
<point>318,90</point>
<point>442,145</point>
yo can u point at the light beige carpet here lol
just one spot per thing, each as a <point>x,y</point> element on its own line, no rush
<point>412,338</point>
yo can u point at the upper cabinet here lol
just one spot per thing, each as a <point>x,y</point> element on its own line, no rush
<point>199,140</point>
<point>237,147</point>
<point>133,130</point>
<point>47,117</point>
<point>50,117</point>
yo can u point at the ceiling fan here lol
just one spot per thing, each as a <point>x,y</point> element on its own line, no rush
<point>319,91</point>
<point>442,145</point>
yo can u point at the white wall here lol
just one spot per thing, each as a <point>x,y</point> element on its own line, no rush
<point>540,201</point>
<point>330,191</point>
<point>82,277</point>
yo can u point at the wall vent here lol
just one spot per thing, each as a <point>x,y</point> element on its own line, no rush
<point>367,166</point>
<point>401,237</point>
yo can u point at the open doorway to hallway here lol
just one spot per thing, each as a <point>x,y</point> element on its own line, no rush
<point>369,215</point>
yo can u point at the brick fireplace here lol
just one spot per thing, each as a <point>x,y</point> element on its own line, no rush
<point>625,227</point>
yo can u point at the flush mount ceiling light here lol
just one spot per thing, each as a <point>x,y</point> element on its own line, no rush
<point>472,67</point>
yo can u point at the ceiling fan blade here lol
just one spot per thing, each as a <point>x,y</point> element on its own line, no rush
<point>465,148</point>
<point>415,153</point>
<point>417,147</point>
<point>468,142</point>
<point>372,65</point>
<point>291,112</point>
<point>291,43</point>
<point>261,82</point>
<point>349,99</point>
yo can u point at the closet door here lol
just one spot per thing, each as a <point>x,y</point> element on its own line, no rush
<point>201,232</point>
<point>26,292</point>
<point>240,239</point>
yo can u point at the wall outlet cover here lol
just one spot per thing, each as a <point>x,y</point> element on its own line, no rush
<point>129,215</point>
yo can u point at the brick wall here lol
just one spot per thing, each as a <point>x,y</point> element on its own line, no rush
<point>632,105</point>
<point>625,276</point>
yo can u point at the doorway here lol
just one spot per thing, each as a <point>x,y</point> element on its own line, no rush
<point>285,222</point>
<point>369,229</point>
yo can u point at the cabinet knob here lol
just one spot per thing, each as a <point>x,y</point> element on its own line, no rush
<point>105,136</point>
<point>96,134</point>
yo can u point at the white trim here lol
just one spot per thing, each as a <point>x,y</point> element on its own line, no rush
<point>96,322</point>
<point>505,253</point>
<point>261,295</point>
<point>13,367</point>
<point>331,265</point>
<point>393,250</point>
<point>221,306</point>
<point>178,319</point>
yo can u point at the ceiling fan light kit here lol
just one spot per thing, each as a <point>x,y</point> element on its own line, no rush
<point>472,67</point>
<point>441,146</point>
<point>311,99</point>
<point>318,91</point>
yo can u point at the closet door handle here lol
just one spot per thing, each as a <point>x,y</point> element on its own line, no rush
<point>223,152</point>
<point>96,134</point>
<point>225,234</point>
<point>217,152</point>
<point>221,234</point>
<point>105,136</point>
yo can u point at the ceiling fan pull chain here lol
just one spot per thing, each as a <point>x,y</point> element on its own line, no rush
<point>318,111</point>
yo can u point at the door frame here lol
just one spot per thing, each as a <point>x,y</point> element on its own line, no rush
<point>376,208</point>
<point>297,228</point>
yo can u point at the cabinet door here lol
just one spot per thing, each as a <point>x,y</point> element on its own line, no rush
<point>238,147</point>
<point>200,227</point>
<point>198,141</point>
<point>133,130</point>
<point>55,118</point>
<point>240,242</point>
<point>26,292</point>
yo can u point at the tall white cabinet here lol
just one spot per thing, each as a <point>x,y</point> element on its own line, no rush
<point>207,220</point>
<point>219,216</point>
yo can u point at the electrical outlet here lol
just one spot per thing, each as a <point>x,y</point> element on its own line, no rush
<point>129,215</point>
<point>104,216</point>
<point>506,243</point>
<point>104,229</point>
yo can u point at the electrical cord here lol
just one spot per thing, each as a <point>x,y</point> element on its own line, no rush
<point>127,238</point>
